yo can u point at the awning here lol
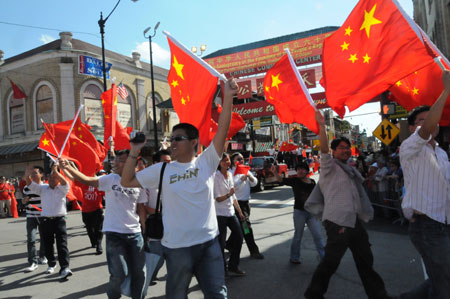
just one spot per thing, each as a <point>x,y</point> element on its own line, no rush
<point>263,146</point>
<point>18,148</point>
<point>165,104</point>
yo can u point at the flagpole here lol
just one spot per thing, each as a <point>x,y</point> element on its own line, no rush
<point>300,79</point>
<point>213,71</point>
<point>70,131</point>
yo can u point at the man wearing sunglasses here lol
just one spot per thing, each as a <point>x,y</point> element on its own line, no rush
<point>190,243</point>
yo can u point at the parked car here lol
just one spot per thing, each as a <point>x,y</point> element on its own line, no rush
<point>260,167</point>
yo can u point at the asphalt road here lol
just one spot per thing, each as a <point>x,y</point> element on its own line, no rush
<point>274,277</point>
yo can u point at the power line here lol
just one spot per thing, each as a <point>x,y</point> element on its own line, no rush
<point>45,28</point>
<point>347,116</point>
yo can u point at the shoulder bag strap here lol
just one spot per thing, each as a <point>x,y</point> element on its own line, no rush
<point>158,201</point>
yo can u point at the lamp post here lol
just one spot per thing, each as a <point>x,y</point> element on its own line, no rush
<point>101,24</point>
<point>150,36</point>
<point>202,49</point>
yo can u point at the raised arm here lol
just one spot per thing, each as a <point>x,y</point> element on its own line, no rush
<point>55,171</point>
<point>225,117</point>
<point>435,113</point>
<point>322,133</point>
<point>128,178</point>
<point>76,174</point>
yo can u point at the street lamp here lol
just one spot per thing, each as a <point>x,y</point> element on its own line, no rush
<point>101,23</point>
<point>202,49</point>
<point>153,81</point>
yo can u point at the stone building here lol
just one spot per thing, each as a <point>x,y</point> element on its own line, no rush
<point>60,76</point>
<point>433,16</point>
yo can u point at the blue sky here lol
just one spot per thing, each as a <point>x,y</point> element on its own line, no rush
<point>218,24</point>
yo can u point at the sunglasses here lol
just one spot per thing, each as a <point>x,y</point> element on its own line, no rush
<point>178,138</point>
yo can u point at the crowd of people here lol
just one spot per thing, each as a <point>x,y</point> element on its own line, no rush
<point>203,195</point>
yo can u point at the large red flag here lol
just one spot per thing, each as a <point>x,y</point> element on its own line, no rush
<point>285,90</point>
<point>287,147</point>
<point>237,123</point>
<point>122,138</point>
<point>109,102</point>
<point>241,169</point>
<point>192,86</point>
<point>17,92</point>
<point>376,46</point>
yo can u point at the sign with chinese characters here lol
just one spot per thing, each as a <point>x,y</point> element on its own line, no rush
<point>386,131</point>
<point>92,66</point>
<point>305,51</point>
<point>244,89</point>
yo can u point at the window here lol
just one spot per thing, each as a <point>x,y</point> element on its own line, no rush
<point>124,109</point>
<point>159,115</point>
<point>93,110</point>
<point>44,106</point>
<point>16,115</point>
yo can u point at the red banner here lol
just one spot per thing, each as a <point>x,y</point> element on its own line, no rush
<point>244,89</point>
<point>260,86</point>
<point>304,51</point>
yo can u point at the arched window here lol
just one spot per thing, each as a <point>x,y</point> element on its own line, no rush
<point>159,115</point>
<point>125,109</point>
<point>44,106</point>
<point>93,110</point>
<point>16,115</point>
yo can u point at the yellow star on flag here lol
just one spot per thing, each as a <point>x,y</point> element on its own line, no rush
<point>366,58</point>
<point>106,116</point>
<point>353,58</point>
<point>74,143</point>
<point>415,91</point>
<point>267,88</point>
<point>79,128</point>
<point>174,83</point>
<point>80,136</point>
<point>399,83</point>
<point>344,46</point>
<point>45,142</point>
<point>103,102</point>
<point>369,20</point>
<point>276,81</point>
<point>183,101</point>
<point>115,101</point>
<point>348,31</point>
<point>178,67</point>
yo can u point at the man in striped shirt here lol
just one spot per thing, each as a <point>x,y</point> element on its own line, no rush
<point>33,208</point>
<point>426,202</point>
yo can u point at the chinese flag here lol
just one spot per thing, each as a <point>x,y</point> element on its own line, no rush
<point>241,169</point>
<point>109,102</point>
<point>192,87</point>
<point>287,147</point>
<point>122,138</point>
<point>376,46</point>
<point>415,90</point>
<point>250,159</point>
<point>237,123</point>
<point>17,92</point>
<point>83,132</point>
<point>285,90</point>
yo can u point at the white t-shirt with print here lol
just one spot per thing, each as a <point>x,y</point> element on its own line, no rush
<point>187,199</point>
<point>222,186</point>
<point>121,203</point>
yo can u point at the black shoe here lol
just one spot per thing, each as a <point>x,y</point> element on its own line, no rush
<point>257,255</point>
<point>99,249</point>
<point>295,262</point>
<point>236,272</point>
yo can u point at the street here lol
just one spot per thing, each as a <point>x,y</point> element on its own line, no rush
<point>395,258</point>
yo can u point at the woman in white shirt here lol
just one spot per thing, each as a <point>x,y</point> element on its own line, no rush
<point>226,203</point>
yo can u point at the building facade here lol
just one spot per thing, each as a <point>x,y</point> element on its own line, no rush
<point>60,76</point>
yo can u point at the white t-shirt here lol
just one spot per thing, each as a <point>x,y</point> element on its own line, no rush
<point>53,201</point>
<point>120,212</point>
<point>242,188</point>
<point>222,186</point>
<point>189,214</point>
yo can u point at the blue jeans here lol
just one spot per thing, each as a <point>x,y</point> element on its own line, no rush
<point>432,241</point>
<point>125,256</point>
<point>204,261</point>
<point>156,248</point>
<point>34,224</point>
<point>300,219</point>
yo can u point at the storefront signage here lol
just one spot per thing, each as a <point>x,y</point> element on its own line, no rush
<point>304,51</point>
<point>92,66</point>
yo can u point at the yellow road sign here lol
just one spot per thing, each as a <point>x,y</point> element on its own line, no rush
<point>386,131</point>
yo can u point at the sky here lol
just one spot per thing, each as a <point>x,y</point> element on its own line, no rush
<point>218,24</point>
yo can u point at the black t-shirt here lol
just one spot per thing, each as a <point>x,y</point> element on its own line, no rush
<point>301,191</point>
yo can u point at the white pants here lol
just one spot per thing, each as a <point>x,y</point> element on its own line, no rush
<point>4,203</point>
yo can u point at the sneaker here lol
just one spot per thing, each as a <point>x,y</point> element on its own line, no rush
<point>50,270</point>
<point>31,268</point>
<point>42,261</point>
<point>257,255</point>
<point>236,271</point>
<point>66,272</point>
<point>295,262</point>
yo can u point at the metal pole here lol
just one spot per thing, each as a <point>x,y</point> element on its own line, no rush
<point>153,93</point>
<point>101,23</point>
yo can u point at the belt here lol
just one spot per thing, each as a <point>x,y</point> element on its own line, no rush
<point>51,218</point>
